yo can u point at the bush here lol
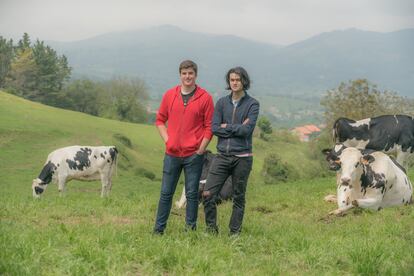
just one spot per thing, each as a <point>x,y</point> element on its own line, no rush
<point>123,139</point>
<point>145,173</point>
<point>286,136</point>
<point>275,170</point>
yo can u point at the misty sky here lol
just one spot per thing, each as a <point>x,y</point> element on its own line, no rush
<point>274,21</point>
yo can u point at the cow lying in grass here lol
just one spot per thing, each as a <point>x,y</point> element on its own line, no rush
<point>225,193</point>
<point>80,163</point>
<point>367,179</point>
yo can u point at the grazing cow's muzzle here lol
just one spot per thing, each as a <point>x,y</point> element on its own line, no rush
<point>38,190</point>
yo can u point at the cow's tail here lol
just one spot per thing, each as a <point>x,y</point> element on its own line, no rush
<point>114,167</point>
<point>335,131</point>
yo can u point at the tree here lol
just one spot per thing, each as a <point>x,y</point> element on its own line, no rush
<point>265,127</point>
<point>127,98</point>
<point>36,72</point>
<point>53,71</point>
<point>81,95</point>
<point>359,99</point>
<point>24,43</point>
<point>6,57</point>
<point>21,79</point>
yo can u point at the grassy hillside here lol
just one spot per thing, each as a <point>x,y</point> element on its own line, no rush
<point>286,230</point>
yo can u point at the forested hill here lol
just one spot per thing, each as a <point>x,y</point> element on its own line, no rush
<point>309,67</point>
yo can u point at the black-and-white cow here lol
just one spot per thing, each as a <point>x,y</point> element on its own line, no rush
<point>77,162</point>
<point>368,179</point>
<point>389,133</point>
<point>226,191</point>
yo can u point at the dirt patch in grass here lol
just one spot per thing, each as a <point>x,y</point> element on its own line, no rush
<point>262,209</point>
<point>85,189</point>
<point>177,213</point>
<point>115,220</point>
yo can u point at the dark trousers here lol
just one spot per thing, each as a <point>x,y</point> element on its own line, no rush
<point>173,166</point>
<point>223,166</point>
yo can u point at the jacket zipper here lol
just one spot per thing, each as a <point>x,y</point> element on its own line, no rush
<point>232,122</point>
<point>180,130</point>
<point>181,123</point>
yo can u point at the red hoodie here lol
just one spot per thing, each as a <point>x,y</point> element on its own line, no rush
<point>187,125</point>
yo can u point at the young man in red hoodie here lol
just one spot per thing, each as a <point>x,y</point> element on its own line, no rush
<point>188,110</point>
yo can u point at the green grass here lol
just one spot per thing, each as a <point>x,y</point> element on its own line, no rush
<point>286,228</point>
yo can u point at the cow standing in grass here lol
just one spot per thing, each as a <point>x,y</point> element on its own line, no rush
<point>77,162</point>
<point>392,134</point>
<point>367,179</point>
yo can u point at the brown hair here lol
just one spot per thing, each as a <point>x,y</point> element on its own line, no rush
<point>188,64</point>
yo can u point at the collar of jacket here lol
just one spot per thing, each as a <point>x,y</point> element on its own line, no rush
<point>198,92</point>
<point>246,96</point>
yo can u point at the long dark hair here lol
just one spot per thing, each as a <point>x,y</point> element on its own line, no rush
<point>244,77</point>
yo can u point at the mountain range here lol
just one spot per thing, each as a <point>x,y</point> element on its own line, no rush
<point>288,79</point>
<point>308,67</point>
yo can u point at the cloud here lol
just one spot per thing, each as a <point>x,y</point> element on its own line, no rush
<point>273,21</point>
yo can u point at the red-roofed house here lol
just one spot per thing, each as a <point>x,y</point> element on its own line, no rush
<point>304,132</point>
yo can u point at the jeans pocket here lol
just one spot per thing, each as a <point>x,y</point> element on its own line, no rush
<point>247,163</point>
<point>167,164</point>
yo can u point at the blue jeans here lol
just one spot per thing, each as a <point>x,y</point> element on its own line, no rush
<point>173,166</point>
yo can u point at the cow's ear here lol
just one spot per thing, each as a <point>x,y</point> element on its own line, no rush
<point>367,159</point>
<point>326,151</point>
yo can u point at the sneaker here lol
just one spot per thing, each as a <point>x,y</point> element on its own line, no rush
<point>234,234</point>
<point>158,232</point>
<point>212,230</point>
<point>189,227</point>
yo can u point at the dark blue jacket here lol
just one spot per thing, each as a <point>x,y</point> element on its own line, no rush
<point>235,138</point>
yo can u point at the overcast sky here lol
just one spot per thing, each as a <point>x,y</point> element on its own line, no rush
<point>274,21</point>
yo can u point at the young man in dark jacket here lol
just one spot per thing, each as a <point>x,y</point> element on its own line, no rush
<point>234,120</point>
<point>188,110</point>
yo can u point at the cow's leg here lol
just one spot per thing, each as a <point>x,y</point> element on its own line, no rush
<point>342,210</point>
<point>401,157</point>
<point>373,203</point>
<point>343,199</point>
<point>330,198</point>
<point>106,183</point>
<point>109,183</point>
<point>106,180</point>
<point>61,183</point>
<point>183,200</point>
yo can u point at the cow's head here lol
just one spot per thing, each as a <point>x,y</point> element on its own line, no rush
<point>38,187</point>
<point>332,156</point>
<point>348,163</point>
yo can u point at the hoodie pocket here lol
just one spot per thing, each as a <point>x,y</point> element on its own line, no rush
<point>171,144</point>
<point>190,142</point>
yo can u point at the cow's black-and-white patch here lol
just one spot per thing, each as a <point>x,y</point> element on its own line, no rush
<point>81,160</point>
<point>47,172</point>
<point>113,152</point>
<point>387,133</point>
